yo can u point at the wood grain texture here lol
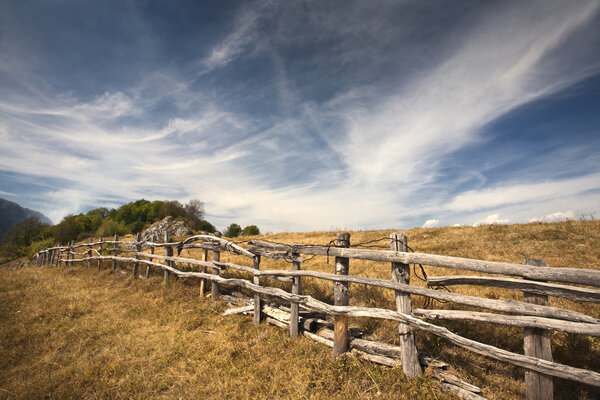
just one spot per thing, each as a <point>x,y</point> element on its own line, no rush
<point>401,274</point>
<point>341,297</point>
<point>536,343</point>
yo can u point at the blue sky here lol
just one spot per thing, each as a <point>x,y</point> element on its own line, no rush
<point>304,115</point>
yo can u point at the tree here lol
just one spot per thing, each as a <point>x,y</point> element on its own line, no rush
<point>19,238</point>
<point>233,230</point>
<point>195,213</point>
<point>250,230</point>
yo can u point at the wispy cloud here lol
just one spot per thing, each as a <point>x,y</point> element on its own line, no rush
<point>345,124</point>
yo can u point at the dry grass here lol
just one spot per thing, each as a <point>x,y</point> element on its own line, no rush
<point>77,333</point>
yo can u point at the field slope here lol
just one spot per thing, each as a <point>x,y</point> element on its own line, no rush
<point>79,333</point>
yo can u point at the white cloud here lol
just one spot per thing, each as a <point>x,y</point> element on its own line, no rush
<point>430,223</point>
<point>555,217</point>
<point>492,219</point>
<point>521,193</point>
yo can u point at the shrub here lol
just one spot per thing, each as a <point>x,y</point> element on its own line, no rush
<point>250,230</point>
<point>233,230</point>
<point>110,227</point>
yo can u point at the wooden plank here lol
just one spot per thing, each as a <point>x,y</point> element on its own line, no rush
<point>536,343</point>
<point>115,252</point>
<point>543,288</point>
<point>567,275</point>
<point>508,306</point>
<point>341,298</point>
<point>257,302</point>
<point>296,289</point>
<point>580,328</point>
<point>214,286</point>
<point>401,274</point>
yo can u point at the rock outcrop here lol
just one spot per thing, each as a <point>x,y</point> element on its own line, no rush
<point>156,231</point>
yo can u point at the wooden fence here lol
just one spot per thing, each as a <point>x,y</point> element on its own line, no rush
<point>533,314</point>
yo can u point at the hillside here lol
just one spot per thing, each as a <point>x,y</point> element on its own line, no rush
<point>11,213</point>
<point>77,333</point>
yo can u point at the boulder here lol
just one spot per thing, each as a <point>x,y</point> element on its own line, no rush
<point>156,231</point>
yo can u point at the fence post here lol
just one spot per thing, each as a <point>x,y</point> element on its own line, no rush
<point>59,255</point>
<point>100,253</point>
<point>148,266</point>
<point>89,253</point>
<point>296,289</point>
<point>168,253</point>
<point>536,343</point>
<point>72,253</point>
<point>341,298</point>
<point>203,281</point>
<point>51,261</point>
<point>115,252</point>
<point>138,249</point>
<point>214,286</point>
<point>401,274</point>
<point>256,280</point>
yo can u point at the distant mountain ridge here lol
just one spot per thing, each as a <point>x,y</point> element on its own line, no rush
<point>11,213</point>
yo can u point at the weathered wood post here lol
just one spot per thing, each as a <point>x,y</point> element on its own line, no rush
<point>115,252</point>
<point>296,289</point>
<point>168,253</point>
<point>256,280</point>
<point>100,253</point>
<point>203,281</point>
<point>138,249</point>
<point>401,274</point>
<point>537,344</point>
<point>148,266</point>
<point>59,256</point>
<point>72,253</point>
<point>89,253</point>
<point>52,257</point>
<point>341,298</point>
<point>214,286</point>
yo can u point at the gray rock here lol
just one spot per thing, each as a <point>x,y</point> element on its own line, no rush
<point>156,231</point>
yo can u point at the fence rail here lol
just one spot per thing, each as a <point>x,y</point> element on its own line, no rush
<point>533,314</point>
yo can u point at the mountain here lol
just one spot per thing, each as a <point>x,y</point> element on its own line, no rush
<point>11,213</point>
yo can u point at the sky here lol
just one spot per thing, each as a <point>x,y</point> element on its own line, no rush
<point>304,115</point>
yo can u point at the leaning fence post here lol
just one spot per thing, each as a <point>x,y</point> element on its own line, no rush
<point>536,343</point>
<point>89,253</point>
<point>296,289</point>
<point>341,298</point>
<point>214,286</point>
<point>401,274</point>
<point>138,249</point>
<point>256,280</point>
<point>168,253</point>
<point>100,253</point>
<point>115,252</point>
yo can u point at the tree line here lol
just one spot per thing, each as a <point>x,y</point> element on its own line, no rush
<point>31,235</point>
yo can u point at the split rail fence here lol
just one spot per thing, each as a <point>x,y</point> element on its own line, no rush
<point>533,314</point>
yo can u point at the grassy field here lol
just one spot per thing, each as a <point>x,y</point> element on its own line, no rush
<point>77,333</point>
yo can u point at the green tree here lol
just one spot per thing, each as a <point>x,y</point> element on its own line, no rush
<point>17,241</point>
<point>250,230</point>
<point>233,230</point>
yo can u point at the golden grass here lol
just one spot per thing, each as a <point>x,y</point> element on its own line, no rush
<point>78,334</point>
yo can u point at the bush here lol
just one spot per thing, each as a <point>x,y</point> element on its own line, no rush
<point>250,230</point>
<point>233,230</point>
<point>206,226</point>
<point>110,227</point>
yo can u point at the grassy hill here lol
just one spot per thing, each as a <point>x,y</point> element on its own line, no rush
<point>77,333</point>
